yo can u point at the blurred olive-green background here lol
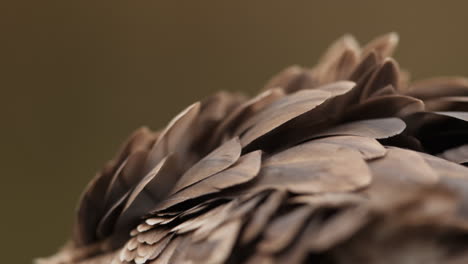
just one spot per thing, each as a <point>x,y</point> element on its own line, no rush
<point>76,77</point>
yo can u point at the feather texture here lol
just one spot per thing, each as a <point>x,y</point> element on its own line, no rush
<point>346,162</point>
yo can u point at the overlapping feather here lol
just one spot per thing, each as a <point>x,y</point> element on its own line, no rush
<point>342,163</point>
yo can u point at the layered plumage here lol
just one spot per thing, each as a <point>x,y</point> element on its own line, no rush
<point>347,162</point>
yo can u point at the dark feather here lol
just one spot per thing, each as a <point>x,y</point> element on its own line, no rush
<point>346,162</point>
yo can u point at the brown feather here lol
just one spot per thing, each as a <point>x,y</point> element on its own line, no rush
<point>345,162</point>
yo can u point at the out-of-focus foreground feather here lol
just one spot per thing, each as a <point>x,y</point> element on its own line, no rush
<point>347,162</point>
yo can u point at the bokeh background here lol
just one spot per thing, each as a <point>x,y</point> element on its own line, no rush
<point>76,77</point>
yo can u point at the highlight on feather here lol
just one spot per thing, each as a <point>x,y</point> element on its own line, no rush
<point>345,162</point>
